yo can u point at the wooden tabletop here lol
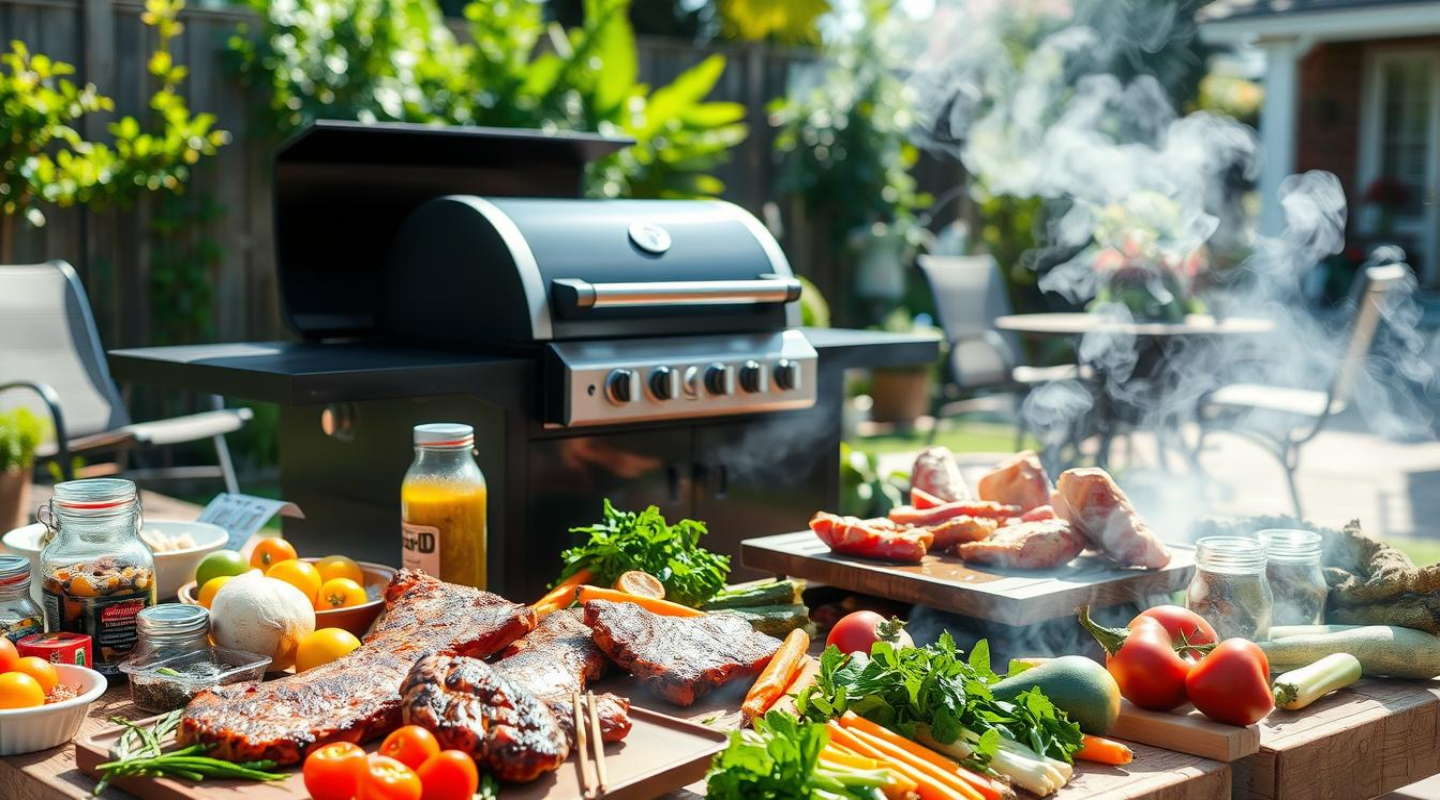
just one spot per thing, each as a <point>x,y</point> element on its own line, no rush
<point>1077,324</point>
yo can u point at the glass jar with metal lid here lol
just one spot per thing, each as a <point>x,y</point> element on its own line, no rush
<point>19,615</point>
<point>1230,589</point>
<point>1295,574</point>
<point>172,629</point>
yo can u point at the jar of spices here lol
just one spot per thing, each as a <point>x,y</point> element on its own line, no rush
<point>169,630</point>
<point>1230,589</point>
<point>1297,580</point>
<point>19,616</point>
<point>442,506</point>
<point>96,574</point>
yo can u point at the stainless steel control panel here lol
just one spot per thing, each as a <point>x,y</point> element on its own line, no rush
<point>613,381</point>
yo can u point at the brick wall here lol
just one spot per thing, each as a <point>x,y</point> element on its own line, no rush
<point>1328,123</point>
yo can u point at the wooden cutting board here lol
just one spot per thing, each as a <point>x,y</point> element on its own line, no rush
<point>661,754</point>
<point>1008,596</point>
<point>1186,730</point>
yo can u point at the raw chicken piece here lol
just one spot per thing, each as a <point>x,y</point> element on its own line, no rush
<point>936,473</point>
<point>871,538</point>
<point>1094,505</point>
<point>955,530</point>
<point>1038,513</point>
<point>1027,545</point>
<point>1019,481</point>
<point>905,515</point>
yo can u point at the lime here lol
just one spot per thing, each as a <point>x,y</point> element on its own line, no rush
<point>218,564</point>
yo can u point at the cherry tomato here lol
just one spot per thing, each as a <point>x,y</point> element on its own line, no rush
<point>1143,662</point>
<point>271,551</point>
<point>9,656</point>
<point>18,690</point>
<point>39,669</point>
<point>384,778</point>
<point>411,745</point>
<point>332,567</point>
<point>449,775</point>
<point>340,593</point>
<point>856,632</point>
<point>1183,625</point>
<point>333,771</point>
<point>301,574</point>
<point>1232,683</point>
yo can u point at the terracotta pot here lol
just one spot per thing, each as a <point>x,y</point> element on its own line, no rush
<point>900,395</point>
<point>14,498</point>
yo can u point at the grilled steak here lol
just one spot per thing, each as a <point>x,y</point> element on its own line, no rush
<point>557,659</point>
<point>356,697</point>
<point>469,706</point>
<point>678,658</point>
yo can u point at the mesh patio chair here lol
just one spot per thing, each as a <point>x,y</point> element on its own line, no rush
<point>1283,419</point>
<point>52,362</point>
<point>984,367</point>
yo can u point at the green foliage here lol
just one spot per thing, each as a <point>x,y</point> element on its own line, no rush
<point>778,759</point>
<point>45,161</point>
<point>792,22</point>
<point>394,60</point>
<point>181,256</point>
<point>625,541</point>
<point>814,311</point>
<point>21,433</point>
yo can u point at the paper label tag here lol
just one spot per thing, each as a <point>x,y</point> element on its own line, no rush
<point>420,548</point>
<point>242,515</point>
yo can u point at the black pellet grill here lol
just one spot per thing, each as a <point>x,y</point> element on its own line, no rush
<point>644,351</point>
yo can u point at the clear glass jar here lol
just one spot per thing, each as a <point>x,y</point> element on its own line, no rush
<point>96,574</point>
<point>170,630</point>
<point>1230,589</point>
<point>19,615</point>
<point>1295,574</point>
<point>442,506</point>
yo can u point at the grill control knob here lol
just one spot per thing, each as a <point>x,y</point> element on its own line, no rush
<point>787,375</point>
<point>623,386</point>
<point>664,383</point>
<point>691,383</point>
<point>720,379</point>
<point>752,377</point>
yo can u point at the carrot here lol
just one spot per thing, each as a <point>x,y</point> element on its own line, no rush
<point>782,669</point>
<point>584,594</point>
<point>923,499</point>
<point>1104,751</point>
<point>898,755</point>
<point>807,676</point>
<point>847,759</point>
<point>927,785</point>
<point>897,787</point>
<point>563,591</point>
<point>990,790</point>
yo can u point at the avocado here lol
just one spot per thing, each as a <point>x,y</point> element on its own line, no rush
<point>1080,687</point>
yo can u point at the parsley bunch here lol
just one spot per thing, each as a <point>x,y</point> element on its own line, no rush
<point>625,540</point>
<point>780,760</point>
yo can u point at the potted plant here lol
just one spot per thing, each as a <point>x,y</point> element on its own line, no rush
<point>1148,256</point>
<point>20,434</point>
<point>901,395</point>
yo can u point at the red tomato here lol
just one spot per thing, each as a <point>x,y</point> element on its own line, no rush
<point>449,775</point>
<point>9,656</point>
<point>856,632</point>
<point>411,745</point>
<point>1143,662</point>
<point>385,778</point>
<point>1232,683</point>
<point>1183,625</point>
<point>333,771</point>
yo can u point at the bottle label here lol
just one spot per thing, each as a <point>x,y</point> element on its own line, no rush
<point>420,548</point>
<point>17,629</point>
<point>109,621</point>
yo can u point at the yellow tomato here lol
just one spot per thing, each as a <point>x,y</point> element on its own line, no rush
<point>271,551</point>
<point>207,592</point>
<point>340,593</point>
<point>332,567</point>
<point>39,669</point>
<point>300,574</point>
<point>324,646</point>
<point>18,690</point>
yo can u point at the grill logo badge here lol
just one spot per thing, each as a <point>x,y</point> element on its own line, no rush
<point>650,237</point>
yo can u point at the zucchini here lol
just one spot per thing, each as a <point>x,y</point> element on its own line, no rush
<point>1299,688</point>
<point>769,593</point>
<point>775,621</point>
<point>1287,631</point>
<point>1381,649</point>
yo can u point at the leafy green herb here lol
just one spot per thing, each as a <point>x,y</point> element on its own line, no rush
<point>169,673</point>
<point>780,758</point>
<point>623,541</point>
<point>139,751</point>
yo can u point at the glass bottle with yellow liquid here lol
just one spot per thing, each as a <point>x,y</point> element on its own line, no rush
<point>442,506</point>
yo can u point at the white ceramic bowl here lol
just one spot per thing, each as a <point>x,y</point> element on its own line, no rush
<point>173,569</point>
<point>25,730</point>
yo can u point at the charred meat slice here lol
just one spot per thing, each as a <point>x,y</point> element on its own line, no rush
<point>1020,481</point>
<point>937,474</point>
<point>469,707</point>
<point>1026,545</point>
<point>1091,501</point>
<point>871,538</point>
<point>356,697</point>
<point>678,658</point>
<point>557,659</point>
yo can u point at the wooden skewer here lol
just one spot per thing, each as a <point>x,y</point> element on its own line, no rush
<point>580,744</point>
<point>599,744</point>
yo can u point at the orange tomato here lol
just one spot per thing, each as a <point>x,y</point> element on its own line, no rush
<point>8,655</point>
<point>322,647</point>
<point>448,775</point>
<point>340,593</point>
<point>41,670</point>
<point>18,690</point>
<point>271,551</point>
<point>207,592</point>
<point>411,745</point>
<point>333,771</point>
<point>300,574</point>
<point>332,567</point>
<point>385,778</point>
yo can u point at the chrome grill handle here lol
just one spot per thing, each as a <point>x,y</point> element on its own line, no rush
<point>573,293</point>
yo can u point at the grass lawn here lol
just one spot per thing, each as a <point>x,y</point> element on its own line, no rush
<point>968,437</point>
<point>1422,551</point>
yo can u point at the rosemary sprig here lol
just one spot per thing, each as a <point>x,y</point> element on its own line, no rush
<point>139,751</point>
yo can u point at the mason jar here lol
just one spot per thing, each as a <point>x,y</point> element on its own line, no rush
<point>1296,575</point>
<point>1230,589</point>
<point>19,616</point>
<point>443,506</point>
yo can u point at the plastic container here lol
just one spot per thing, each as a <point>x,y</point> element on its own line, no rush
<point>165,684</point>
<point>26,730</point>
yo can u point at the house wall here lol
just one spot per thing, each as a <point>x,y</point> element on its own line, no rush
<point>1327,132</point>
